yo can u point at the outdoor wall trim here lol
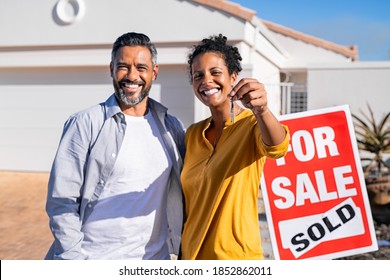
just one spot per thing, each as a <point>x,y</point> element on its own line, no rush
<point>354,65</point>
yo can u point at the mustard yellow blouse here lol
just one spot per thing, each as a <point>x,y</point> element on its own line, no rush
<point>221,187</point>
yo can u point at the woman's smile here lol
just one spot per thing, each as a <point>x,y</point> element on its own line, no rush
<point>211,91</point>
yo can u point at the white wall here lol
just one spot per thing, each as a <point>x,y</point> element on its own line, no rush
<point>354,84</point>
<point>176,92</point>
<point>35,23</point>
<point>301,53</point>
<point>35,103</point>
<point>49,70</point>
<point>31,120</point>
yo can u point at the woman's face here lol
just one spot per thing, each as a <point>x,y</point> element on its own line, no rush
<point>211,81</point>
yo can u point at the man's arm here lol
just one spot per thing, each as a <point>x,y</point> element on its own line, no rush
<point>65,191</point>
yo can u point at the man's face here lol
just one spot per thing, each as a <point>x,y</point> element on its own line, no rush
<point>132,72</point>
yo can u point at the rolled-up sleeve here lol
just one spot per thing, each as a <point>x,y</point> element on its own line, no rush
<point>277,151</point>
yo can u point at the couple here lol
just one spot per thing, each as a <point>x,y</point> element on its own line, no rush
<point>128,182</point>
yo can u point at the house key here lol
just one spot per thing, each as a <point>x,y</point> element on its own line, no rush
<point>232,110</point>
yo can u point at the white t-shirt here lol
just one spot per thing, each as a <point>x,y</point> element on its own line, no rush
<point>129,220</point>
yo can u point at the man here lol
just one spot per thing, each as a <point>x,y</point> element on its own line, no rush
<point>114,189</point>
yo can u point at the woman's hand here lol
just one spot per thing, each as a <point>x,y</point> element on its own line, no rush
<point>252,95</point>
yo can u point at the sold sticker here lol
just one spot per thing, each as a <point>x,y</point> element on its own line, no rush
<point>315,197</point>
<point>300,235</point>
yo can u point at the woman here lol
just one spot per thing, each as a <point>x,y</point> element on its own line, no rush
<point>225,156</point>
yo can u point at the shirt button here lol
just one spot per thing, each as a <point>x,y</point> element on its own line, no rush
<point>89,205</point>
<point>113,155</point>
<point>102,181</point>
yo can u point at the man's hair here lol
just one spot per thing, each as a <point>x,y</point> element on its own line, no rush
<point>134,39</point>
<point>217,44</point>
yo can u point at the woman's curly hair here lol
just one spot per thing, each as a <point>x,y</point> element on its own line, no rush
<point>217,44</point>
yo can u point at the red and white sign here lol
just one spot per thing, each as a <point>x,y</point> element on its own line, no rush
<point>315,197</point>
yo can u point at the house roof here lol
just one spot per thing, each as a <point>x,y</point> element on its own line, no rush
<point>229,7</point>
<point>348,51</point>
<point>248,15</point>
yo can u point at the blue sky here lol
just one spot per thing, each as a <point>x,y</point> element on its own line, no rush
<point>344,22</point>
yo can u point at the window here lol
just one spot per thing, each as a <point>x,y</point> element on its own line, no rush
<point>298,101</point>
<point>294,98</point>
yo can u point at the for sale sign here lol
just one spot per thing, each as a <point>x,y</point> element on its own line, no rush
<point>315,197</point>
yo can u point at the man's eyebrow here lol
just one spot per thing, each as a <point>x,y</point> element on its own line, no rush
<point>141,63</point>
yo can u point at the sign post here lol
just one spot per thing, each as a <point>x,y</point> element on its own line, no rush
<point>315,197</point>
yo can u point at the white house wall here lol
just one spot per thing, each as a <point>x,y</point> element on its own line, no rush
<point>34,23</point>
<point>258,43</point>
<point>49,70</point>
<point>301,54</point>
<point>177,94</point>
<point>354,84</point>
<point>35,103</point>
<point>32,117</point>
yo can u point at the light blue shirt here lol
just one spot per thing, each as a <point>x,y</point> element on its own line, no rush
<point>83,164</point>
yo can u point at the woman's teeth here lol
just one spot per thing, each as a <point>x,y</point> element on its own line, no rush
<point>211,91</point>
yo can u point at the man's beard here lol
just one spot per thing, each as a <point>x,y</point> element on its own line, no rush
<point>126,98</point>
